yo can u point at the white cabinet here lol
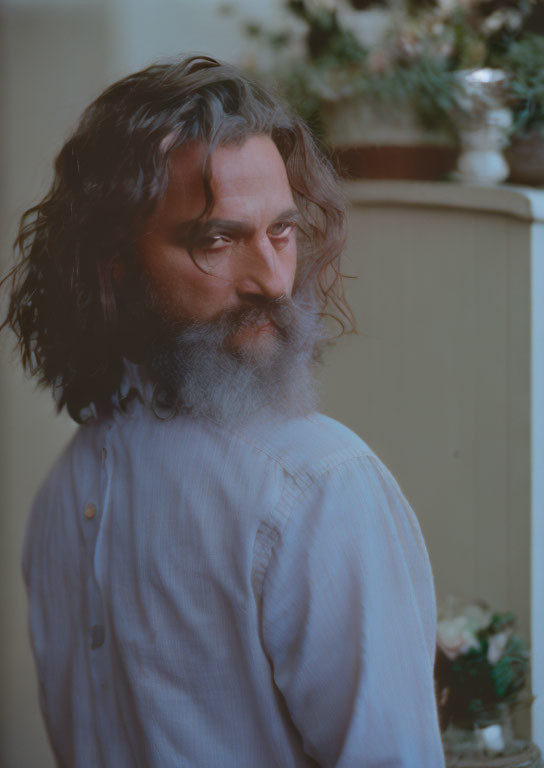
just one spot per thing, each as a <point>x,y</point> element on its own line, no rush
<point>446,380</point>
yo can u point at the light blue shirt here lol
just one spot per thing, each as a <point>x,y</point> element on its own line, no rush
<point>205,597</point>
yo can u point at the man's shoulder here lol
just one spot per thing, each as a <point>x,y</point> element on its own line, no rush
<point>79,458</point>
<point>307,445</point>
<point>304,447</point>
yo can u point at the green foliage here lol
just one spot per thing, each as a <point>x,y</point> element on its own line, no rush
<point>306,102</point>
<point>501,621</point>
<point>344,48</point>
<point>252,29</point>
<point>279,40</point>
<point>525,59</point>
<point>313,15</point>
<point>508,674</point>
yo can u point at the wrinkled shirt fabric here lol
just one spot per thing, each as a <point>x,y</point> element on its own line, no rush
<point>251,597</point>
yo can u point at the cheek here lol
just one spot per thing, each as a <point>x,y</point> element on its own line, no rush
<point>205,299</point>
<point>183,291</point>
<point>292,262</point>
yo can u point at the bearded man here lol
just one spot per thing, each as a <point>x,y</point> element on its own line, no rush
<point>217,574</point>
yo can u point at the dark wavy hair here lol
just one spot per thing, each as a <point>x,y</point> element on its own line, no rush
<point>109,176</point>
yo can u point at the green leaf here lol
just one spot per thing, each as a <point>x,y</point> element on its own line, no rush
<point>279,40</point>
<point>252,29</point>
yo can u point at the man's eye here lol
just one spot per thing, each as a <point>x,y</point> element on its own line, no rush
<point>214,243</point>
<point>282,228</point>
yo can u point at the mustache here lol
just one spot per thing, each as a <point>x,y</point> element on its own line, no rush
<point>282,313</point>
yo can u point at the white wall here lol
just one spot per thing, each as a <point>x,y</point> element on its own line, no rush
<point>144,31</point>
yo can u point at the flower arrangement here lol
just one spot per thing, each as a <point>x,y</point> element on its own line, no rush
<point>481,664</point>
<point>405,51</point>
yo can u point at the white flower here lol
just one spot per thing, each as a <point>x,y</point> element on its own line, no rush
<point>509,18</point>
<point>478,616</point>
<point>497,644</point>
<point>447,7</point>
<point>321,5</point>
<point>454,637</point>
<point>369,27</point>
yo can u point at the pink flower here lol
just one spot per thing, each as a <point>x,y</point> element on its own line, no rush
<point>378,61</point>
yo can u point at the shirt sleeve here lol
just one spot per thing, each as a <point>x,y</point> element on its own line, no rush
<point>349,623</point>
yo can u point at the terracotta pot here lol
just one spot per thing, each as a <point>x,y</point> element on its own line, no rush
<point>525,156</point>
<point>382,141</point>
<point>421,162</point>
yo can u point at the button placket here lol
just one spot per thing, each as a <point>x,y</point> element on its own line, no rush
<point>94,512</point>
<point>96,628</point>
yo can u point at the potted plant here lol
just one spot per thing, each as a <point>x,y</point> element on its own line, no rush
<point>480,672</point>
<point>378,84</point>
<point>525,58</point>
<point>375,85</point>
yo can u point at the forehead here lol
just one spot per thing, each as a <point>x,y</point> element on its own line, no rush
<point>249,174</point>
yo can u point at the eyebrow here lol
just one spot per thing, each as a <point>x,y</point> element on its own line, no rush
<point>196,228</point>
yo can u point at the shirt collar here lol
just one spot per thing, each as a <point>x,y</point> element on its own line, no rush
<point>135,380</point>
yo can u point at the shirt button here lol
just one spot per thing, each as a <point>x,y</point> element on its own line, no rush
<point>90,511</point>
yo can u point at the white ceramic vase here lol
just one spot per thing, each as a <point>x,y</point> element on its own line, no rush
<point>482,160</point>
<point>484,126</point>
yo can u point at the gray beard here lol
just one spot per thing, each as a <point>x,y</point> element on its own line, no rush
<point>196,371</point>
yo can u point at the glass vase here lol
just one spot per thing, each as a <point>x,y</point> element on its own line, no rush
<point>487,738</point>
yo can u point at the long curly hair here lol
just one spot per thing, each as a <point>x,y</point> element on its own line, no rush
<point>109,176</point>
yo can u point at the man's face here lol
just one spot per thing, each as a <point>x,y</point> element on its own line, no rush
<point>247,242</point>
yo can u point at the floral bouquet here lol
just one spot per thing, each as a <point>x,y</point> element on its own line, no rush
<point>481,665</point>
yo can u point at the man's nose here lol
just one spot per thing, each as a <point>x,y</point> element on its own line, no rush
<point>265,271</point>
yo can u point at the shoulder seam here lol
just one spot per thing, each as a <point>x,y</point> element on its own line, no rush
<point>268,535</point>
